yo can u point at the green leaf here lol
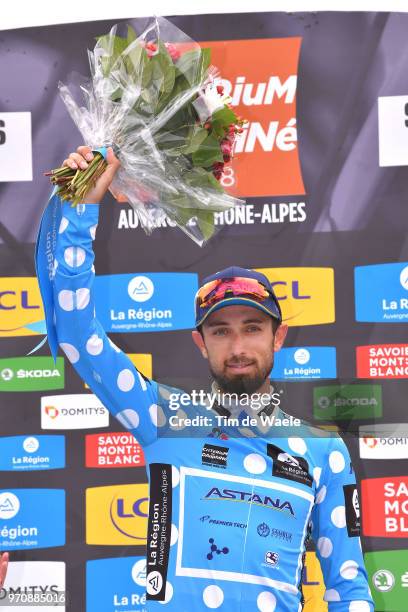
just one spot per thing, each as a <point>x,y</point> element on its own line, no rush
<point>205,60</point>
<point>131,35</point>
<point>204,219</point>
<point>199,177</point>
<point>224,117</point>
<point>114,46</point>
<point>164,73</point>
<point>208,153</point>
<point>189,65</point>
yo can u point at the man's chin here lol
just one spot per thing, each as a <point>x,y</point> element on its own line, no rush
<point>240,384</point>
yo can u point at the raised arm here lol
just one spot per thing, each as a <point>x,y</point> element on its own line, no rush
<point>110,374</point>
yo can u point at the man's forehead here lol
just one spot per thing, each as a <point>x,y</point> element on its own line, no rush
<point>229,315</point>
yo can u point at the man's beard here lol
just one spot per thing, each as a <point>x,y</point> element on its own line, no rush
<point>241,384</point>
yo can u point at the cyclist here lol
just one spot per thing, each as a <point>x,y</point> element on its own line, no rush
<point>231,506</point>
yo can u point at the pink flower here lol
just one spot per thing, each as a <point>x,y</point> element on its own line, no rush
<point>218,169</point>
<point>151,48</point>
<point>226,150</point>
<point>173,51</point>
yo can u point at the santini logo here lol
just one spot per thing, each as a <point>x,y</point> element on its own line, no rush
<point>250,498</point>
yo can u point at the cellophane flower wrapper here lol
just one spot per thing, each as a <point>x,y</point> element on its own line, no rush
<point>150,96</point>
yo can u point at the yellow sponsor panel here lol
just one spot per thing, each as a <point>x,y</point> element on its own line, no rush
<point>21,310</point>
<point>117,515</point>
<point>306,295</point>
<point>313,585</point>
<point>142,361</point>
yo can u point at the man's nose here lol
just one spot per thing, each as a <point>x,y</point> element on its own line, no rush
<point>237,344</point>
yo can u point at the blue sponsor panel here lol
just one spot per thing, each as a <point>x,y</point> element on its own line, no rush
<point>222,528</point>
<point>19,453</point>
<point>304,363</point>
<point>123,583</point>
<point>146,302</point>
<point>32,518</point>
<point>381,293</point>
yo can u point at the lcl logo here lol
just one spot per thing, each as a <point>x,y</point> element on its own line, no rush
<point>10,300</point>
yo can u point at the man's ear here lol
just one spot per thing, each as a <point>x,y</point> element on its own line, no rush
<point>199,342</point>
<point>279,336</point>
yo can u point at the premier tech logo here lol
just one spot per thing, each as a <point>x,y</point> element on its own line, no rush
<point>306,295</point>
<point>382,293</point>
<point>265,94</point>
<point>21,310</point>
<point>31,374</point>
<point>117,515</point>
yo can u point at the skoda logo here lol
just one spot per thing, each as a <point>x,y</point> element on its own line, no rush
<point>383,580</point>
<point>7,374</point>
<point>323,402</point>
<point>140,289</point>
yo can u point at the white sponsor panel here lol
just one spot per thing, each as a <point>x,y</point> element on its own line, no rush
<point>15,147</point>
<point>82,411</point>
<point>384,441</point>
<point>36,582</point>
<point>393,130</point>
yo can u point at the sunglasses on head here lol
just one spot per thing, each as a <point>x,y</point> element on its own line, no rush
<point>218,289</point>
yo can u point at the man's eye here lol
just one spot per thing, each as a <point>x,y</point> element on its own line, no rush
<point>253,328</point>
<point>220,332</point>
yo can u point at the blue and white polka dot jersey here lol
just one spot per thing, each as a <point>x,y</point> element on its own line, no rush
<point>241,504</point>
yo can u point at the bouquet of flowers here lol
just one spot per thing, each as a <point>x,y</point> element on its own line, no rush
<point>154,97</point>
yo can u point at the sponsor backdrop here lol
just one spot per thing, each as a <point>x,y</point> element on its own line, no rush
<point>322,166</point>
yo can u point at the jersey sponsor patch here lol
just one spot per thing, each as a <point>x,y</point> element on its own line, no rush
<point>289,467</point>
<point>158,530</point>
<point>214,455</point>
<point>352,506</point>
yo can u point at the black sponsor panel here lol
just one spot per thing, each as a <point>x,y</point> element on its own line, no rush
<point>158,531</point>
<point>352,505</point>
<point>288,466</point>
<point>214,455</point>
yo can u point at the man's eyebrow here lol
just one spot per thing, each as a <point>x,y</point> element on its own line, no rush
<point>245,322</point>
